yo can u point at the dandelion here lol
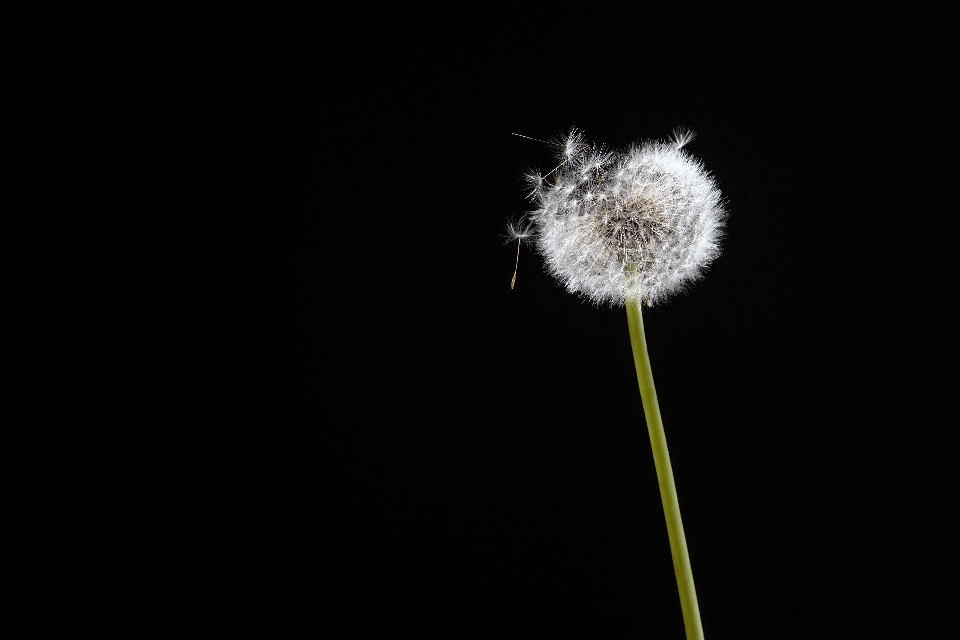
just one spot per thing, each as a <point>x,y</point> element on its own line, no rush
<point>641,224</point>
<point>626,228</point>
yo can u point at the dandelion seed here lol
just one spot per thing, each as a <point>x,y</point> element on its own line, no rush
<point>518,231</point>
<point>682,137</point>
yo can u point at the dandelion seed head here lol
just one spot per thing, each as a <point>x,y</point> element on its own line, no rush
<point>638,224</point>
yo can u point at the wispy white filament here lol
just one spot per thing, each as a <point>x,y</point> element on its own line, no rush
<point>518,231</point>
<point>638,224</point>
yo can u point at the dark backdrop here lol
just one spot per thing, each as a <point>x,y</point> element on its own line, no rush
<point>262,368</point>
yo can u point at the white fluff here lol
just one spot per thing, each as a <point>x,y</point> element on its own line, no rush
<point>639,224</point>
<point>518,231</point>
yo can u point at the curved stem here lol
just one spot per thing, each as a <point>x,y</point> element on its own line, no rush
<point>668,490</point>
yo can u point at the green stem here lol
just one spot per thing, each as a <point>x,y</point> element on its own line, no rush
<point>668,490</point>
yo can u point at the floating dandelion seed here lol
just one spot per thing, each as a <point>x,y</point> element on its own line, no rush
<point>682,137</point>
<point>518,231</point>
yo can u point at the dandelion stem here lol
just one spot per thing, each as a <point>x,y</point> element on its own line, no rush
<point>513,280</point>
<point>668,490</point>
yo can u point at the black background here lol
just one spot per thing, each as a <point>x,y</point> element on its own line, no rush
<point>263,371</point>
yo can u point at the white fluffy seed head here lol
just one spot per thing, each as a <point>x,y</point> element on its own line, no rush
<point>638,224</point>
